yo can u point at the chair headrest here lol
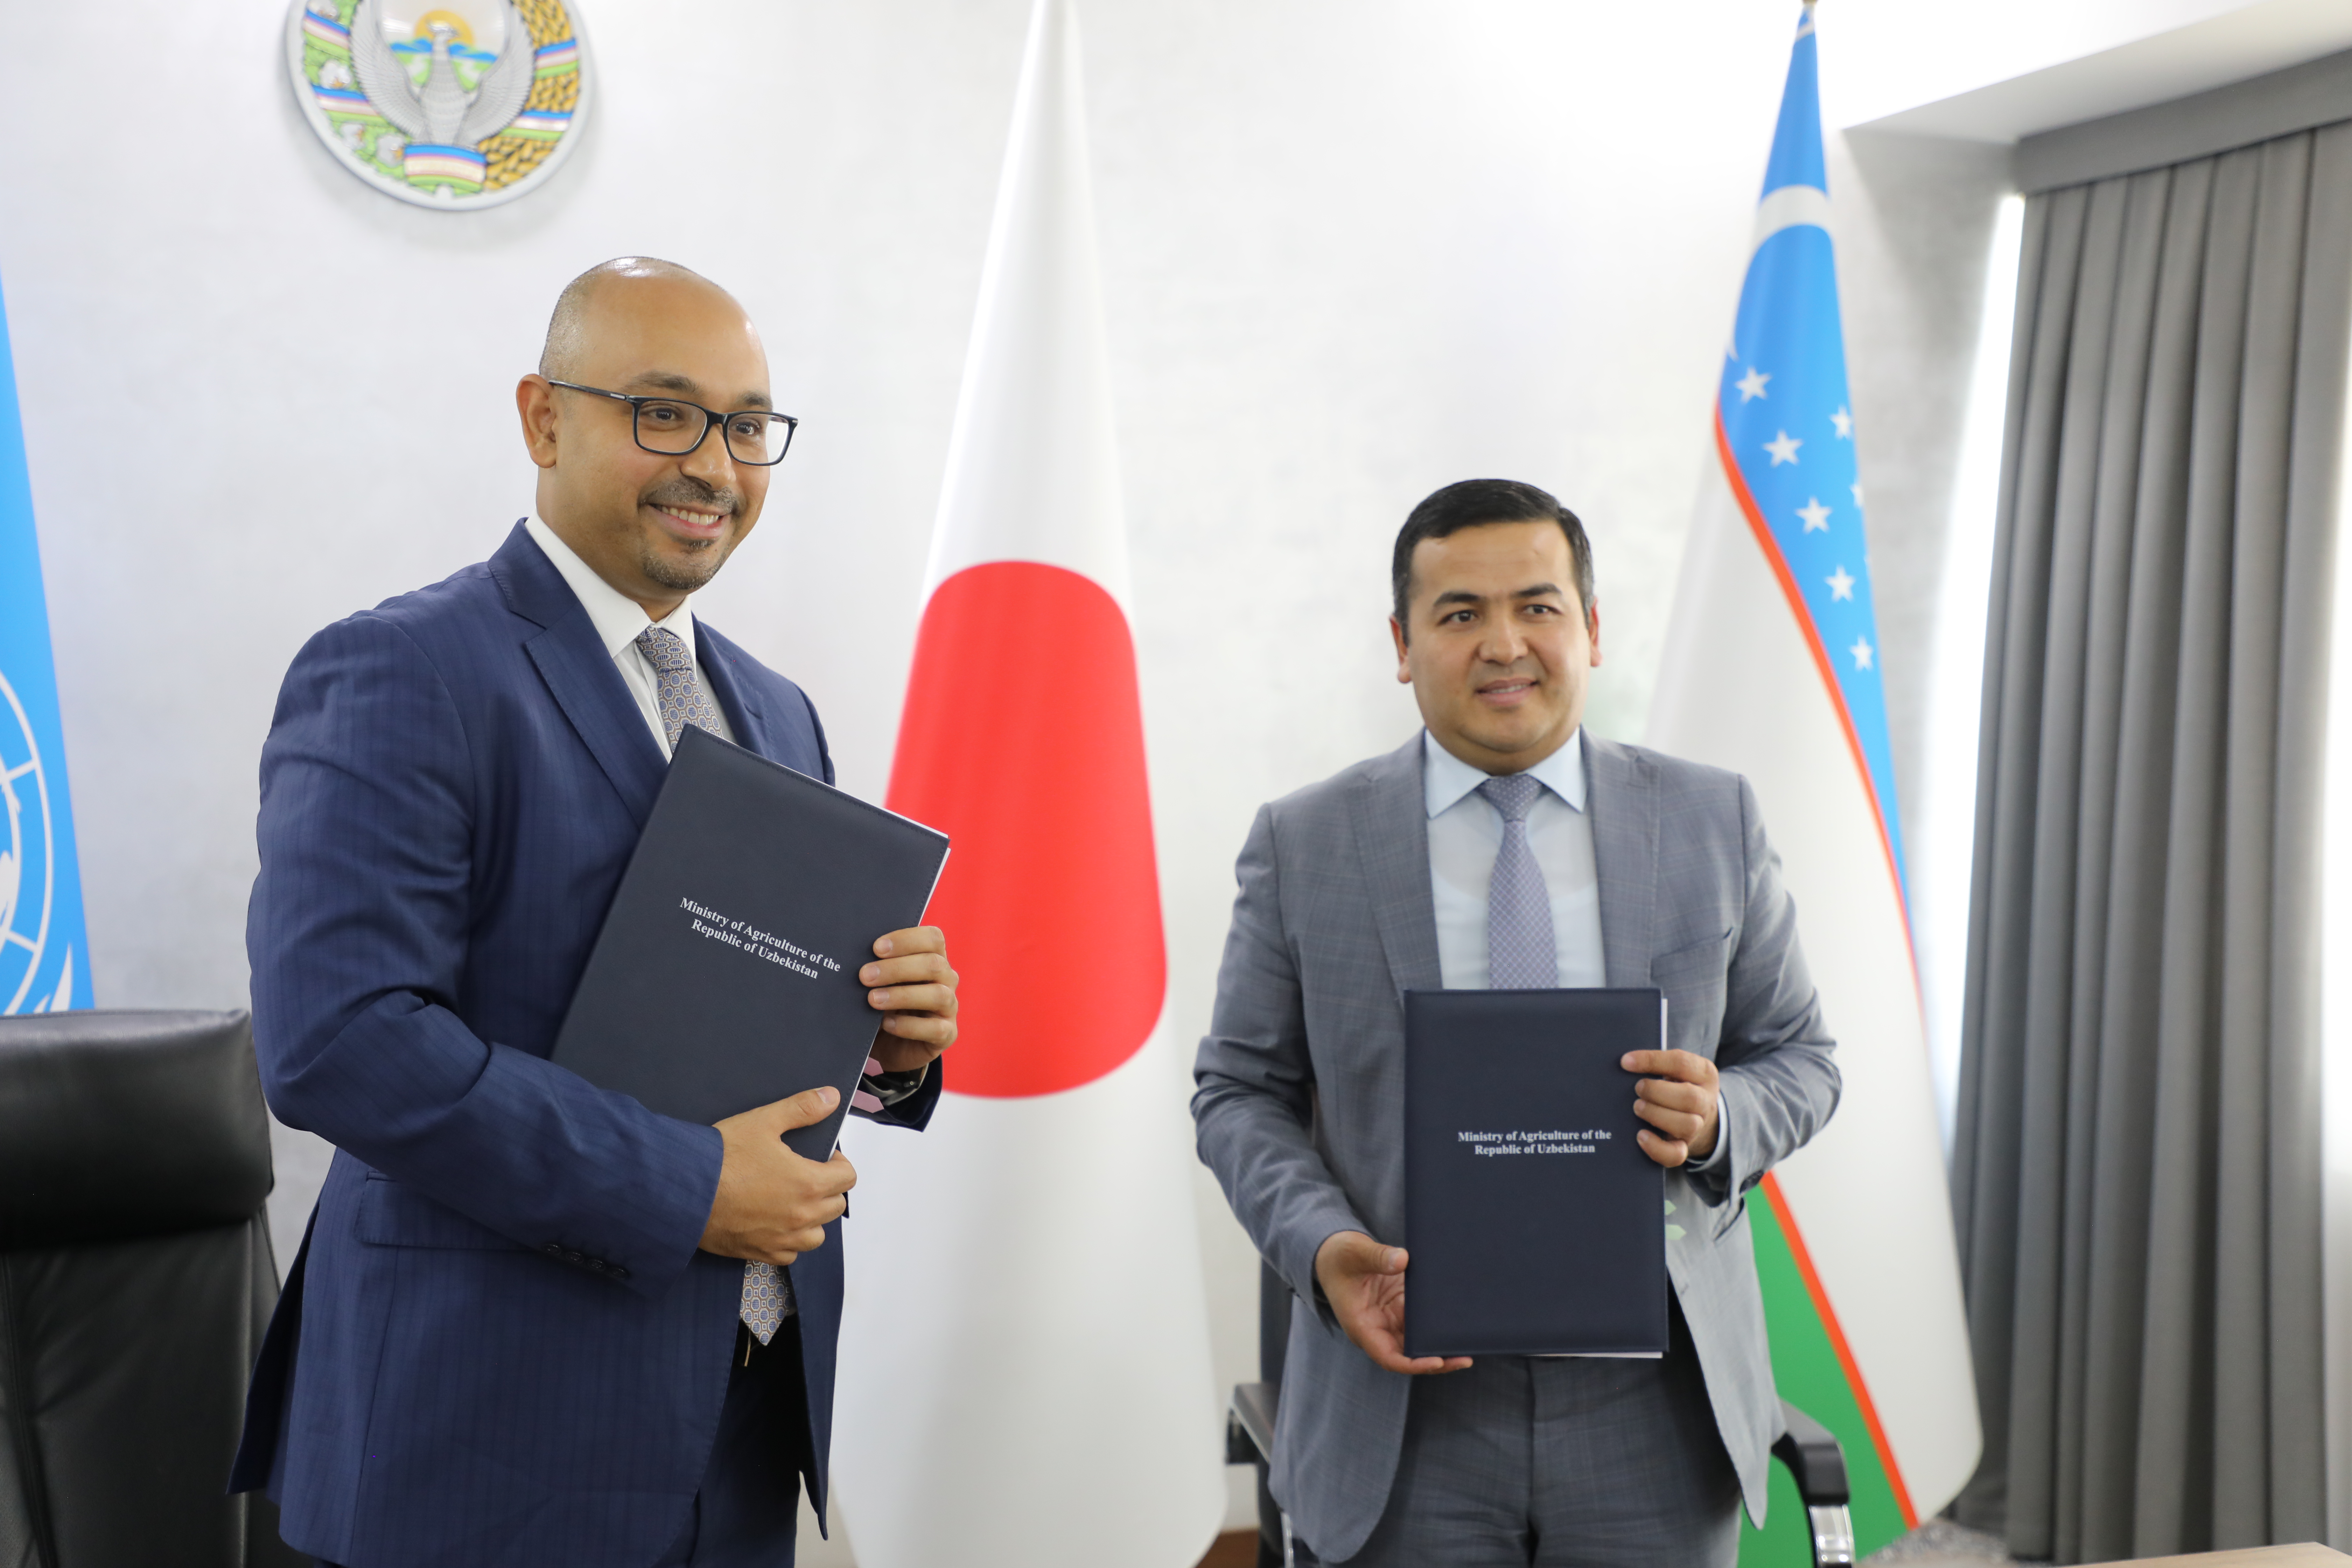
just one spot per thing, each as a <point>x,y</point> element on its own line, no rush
<point>120,1123</point>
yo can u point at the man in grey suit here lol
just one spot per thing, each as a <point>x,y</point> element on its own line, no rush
<point>1579,862</point>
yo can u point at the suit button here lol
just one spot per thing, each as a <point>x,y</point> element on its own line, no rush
<point>554,1249</point>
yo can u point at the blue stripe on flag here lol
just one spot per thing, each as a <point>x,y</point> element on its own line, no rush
<point>1797,141</point>
<point>44,954</point>
<point>1790,424</point>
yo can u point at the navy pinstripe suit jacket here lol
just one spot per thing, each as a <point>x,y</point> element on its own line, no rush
<point>499,1343</point>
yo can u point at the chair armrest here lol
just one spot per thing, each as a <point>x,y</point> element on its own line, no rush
<point>1249,1424</point>
<point>1811,1453</point>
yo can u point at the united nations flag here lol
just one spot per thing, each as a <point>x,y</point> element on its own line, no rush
<point>44,956</point>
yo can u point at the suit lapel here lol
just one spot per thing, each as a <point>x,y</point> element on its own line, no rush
<point>579,673</point>
<point>1623,800</point>
<point>1392,823</point>
<point>745,716</point>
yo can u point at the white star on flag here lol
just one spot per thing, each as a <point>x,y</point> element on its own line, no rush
<point>1752,384</point>
<point>1816,515</point>
<point>1857,495</point>
<point>1783,451</point>
<point>1861,651</point>
<point>1841,585</point>
<point>1844,423</point>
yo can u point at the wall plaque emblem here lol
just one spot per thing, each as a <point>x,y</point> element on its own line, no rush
<point>462,105</point>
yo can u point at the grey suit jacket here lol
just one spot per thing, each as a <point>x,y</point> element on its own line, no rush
<point>1300,1096</point>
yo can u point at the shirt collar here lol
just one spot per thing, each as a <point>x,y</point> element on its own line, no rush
<point>1447,778</point>
<point>618,619</point>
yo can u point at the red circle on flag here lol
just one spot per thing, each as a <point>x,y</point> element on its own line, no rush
<point>1022,741</point>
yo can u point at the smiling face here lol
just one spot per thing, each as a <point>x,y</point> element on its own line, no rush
<point>654,526</point>
<point>1499,650</point>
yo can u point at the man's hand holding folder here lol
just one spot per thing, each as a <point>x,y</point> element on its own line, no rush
<point>915,990</point>
<point>773,1204</point>
<point>1682,1100</point>
<point>1364,1281</point>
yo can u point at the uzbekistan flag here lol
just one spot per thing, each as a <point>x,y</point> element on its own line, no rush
<point>1771,668</point>
<point>1025,1326</point>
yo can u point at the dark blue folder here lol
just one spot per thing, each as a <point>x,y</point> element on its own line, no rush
<point>725,976</point>
<point>1536,1225</point>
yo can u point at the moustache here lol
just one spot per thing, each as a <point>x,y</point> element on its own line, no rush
<point>686,490</point>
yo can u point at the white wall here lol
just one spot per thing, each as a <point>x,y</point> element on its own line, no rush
<point>1353,250</point>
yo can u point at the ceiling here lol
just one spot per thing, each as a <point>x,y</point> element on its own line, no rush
<point>2213,51</point>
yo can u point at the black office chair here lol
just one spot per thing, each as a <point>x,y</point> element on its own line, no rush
<point>135,1281</point>
<point>1809,1449</point>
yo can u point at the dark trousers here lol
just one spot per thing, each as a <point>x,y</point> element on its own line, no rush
<point>746,1513</point>
<point>1561,1464</point>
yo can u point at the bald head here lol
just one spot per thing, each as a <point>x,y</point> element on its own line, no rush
<point>572,329</point>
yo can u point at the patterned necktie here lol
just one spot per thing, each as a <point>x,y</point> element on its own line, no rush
<point>1521,951</point>
<point>767,1292</point>
<point>680,695</point>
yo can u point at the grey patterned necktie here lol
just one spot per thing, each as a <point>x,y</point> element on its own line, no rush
<point>1521,952</point>
<point>767,1292</point>
<point>680,694</point>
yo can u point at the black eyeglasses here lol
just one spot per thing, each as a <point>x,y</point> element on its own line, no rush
<point>674,427</point>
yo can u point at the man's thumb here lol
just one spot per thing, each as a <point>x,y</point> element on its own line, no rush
<point>809,1107</point>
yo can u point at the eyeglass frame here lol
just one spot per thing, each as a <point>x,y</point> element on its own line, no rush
<point>711,419</point>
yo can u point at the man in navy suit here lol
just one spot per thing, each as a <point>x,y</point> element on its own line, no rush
<point>533,1323</point>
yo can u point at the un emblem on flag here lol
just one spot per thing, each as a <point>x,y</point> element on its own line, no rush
<point>28,867</point>
<point>463,104</point>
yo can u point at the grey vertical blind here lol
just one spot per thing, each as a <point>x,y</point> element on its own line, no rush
<point>2137,1173</point>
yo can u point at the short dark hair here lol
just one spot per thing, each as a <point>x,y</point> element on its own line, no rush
<point>1474,504</point>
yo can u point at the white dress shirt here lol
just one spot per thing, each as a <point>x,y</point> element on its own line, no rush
<point>1465,833</point>
<point>618,620</point>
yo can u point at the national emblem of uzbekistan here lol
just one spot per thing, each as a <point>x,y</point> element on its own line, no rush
<point>464,104</point>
